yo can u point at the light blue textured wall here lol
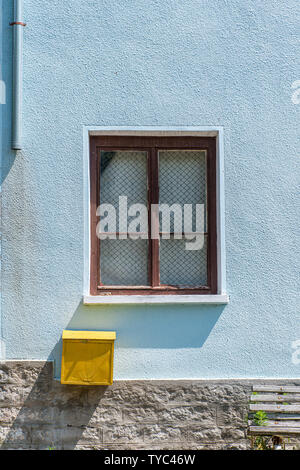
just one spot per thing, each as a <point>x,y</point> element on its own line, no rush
<point>155,62</point>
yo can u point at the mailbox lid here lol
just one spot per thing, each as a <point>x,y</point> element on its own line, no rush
<point>91,335</point>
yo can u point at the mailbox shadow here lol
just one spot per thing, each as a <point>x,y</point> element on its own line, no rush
<point>53,416</point>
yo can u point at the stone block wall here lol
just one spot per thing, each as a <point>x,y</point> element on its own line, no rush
<point>37,412</point>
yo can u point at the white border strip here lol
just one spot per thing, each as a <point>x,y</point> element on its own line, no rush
<point>213,380</point>
<point>201,131</point>
<point>155,299</point>
<point>221,252</point>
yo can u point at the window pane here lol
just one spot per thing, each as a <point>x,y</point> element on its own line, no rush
<point>124,262</point>
<point>182,180</point>
<point>123,173</point>
<point>179,266</point>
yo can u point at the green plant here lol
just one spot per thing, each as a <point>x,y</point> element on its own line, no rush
<point>260,442</point>
<point>260,418</point>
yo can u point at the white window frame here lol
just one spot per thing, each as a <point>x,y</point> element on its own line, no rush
<point>202,131</point>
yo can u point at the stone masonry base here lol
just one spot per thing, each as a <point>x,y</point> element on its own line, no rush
<point>37,412</point>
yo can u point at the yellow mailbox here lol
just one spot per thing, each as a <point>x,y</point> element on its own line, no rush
<point>87,357</point>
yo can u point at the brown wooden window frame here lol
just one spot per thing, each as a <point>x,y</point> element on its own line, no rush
<point>153,145</point>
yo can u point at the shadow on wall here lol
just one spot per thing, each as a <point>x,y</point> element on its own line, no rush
<point>153,326</point>
<point>145,327</point>
<point>52,415</point>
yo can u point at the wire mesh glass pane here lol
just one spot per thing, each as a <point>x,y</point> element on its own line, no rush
<point>182,180</point>
<point>123,173</point>
<point>124,262</point>
<point>182,267</point>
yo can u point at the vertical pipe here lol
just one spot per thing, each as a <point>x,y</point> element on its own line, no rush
<point>17,75</point>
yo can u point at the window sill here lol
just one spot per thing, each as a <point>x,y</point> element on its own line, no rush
<point>155,299</point>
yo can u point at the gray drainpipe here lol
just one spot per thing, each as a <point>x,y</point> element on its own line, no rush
<point>18,26</point>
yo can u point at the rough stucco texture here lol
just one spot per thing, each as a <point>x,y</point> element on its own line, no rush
<point>139,63</point>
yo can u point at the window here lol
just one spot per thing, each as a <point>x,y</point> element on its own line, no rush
<point>153,215</point>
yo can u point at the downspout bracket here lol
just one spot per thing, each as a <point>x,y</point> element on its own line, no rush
<point>17,23</point>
